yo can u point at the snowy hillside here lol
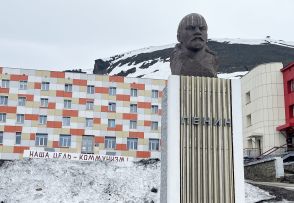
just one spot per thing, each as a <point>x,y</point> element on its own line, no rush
<point>235,56</point>
<point>34,181</point>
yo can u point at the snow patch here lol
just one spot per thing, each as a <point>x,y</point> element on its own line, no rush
<point>139,51</point>
<point>235,75</point>
<point>254,41</point>
<point>254,194</point>
<point>161,70</point>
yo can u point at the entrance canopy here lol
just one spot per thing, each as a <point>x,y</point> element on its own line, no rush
<point>289,128</point>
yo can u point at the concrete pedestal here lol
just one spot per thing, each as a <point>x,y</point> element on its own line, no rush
<point>202,157</point>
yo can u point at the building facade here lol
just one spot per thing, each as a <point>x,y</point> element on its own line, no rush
<point>263,109</point>
<point>79,113</point>
<point>288,127</point>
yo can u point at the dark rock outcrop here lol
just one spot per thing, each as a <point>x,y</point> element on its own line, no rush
<point>100,67</point>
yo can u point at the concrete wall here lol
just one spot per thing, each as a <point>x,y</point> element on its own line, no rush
<point>289,167</point>
<point>266,170</point>
<point>170,151</point>
<point>238,141</point>
<point>163,179</point>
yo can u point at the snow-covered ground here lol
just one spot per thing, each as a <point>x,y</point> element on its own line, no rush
<point>71,181</point>
<point>41,180</point>
<point>254,194</point>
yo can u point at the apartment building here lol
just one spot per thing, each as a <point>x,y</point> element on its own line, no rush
<point>263,109</point>
<point>79,113</point>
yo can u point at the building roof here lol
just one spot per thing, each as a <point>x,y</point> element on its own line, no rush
<point>290,65</point>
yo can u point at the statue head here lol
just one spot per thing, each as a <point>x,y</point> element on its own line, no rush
<point>192,32</point>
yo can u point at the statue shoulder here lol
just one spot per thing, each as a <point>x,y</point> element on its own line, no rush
<point>176,50</point>
<point>211,52</point>
<point>176,60</point>
<point>213,55</point>
<point>214,59</point>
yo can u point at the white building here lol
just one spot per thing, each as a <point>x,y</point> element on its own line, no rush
<point>263,109</point>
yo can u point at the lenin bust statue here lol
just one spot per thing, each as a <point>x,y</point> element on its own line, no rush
<point>191,56</point>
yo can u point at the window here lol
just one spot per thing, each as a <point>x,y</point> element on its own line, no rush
<point>111,123</point>
<point>17,137</point>
<point>133,124</point>
<point>112,107</point>
<point>154,125</point>
<point>248,119</point>
<point>249,145</point>
<point>90,89</point>
<point>2,117</point>
<point>20,118</point>
<point>68,87</point>
<point>89,105</point>
<point>5,83</point>
<point>110,142</point>
<point>89,122</point>
<point>247,97</point>
<point>1,137</point>
<point>112,91</point>
<point>132,143</point>
<point>134,92</point>
<point>42,119</point>
<point>45,86</point>
<point>44,102</point>
<point>292,85</point>
<point>21,101</point>
<point>3,100</point>
<point>41,139</point>
<point>23,85</point>
<point>64,140</point>
<point>133,108</point>
<point>154,109</point>
<point>66,121</point>
<point>153,144</point>
<point>67,104</point>
<point>154,94</point>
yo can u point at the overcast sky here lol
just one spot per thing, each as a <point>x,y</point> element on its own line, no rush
<point>67,34</point>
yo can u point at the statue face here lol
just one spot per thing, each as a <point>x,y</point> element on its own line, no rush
<point>192,32</point>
